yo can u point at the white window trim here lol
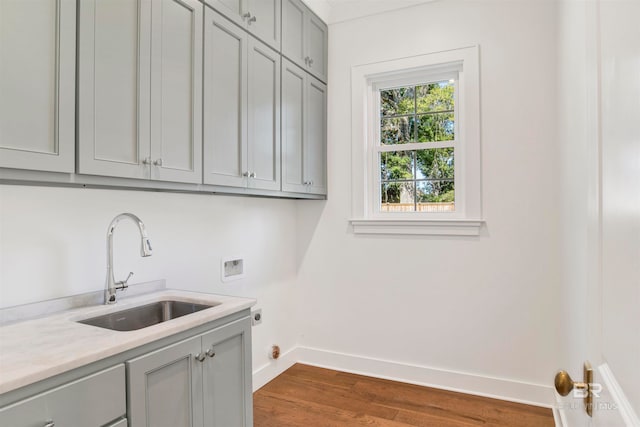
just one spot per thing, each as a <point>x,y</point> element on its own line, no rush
<point>365,79</point>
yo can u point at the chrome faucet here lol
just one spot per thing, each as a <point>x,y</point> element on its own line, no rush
<point>112,286</point>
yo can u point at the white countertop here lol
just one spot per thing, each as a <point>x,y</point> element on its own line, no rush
<point>37,349</point>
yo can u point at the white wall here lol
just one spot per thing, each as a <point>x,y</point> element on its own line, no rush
<point>486,306</point>
<point>52,244</point>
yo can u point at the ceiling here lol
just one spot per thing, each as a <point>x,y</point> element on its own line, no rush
<point>333,11</point>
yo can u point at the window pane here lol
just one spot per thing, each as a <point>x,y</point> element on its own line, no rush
<point>397,101</point>
<point>397,197</point>
<point>435,163</point>
<point>435,97</point>
<point>397,131</point>
<point>435,196</point>
<point>397,165</point>
<point>435,127</point>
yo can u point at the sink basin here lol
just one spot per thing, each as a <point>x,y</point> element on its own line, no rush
<point>145,315</point>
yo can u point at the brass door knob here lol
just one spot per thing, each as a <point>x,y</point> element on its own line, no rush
<point>564,384</point>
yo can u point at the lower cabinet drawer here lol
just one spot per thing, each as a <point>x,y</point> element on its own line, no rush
<point>92,401</point>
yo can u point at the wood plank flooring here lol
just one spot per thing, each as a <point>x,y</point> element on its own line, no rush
<point>315,397</point>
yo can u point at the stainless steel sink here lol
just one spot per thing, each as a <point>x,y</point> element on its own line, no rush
<point>145,315</point>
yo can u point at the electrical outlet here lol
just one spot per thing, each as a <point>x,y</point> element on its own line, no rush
<point>256,317</point>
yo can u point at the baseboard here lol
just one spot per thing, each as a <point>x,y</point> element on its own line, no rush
<point>620,401</point>
<point>269,371</point>
<point>498,388</point>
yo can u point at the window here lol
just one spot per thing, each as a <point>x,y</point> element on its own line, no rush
<point>416,145</point>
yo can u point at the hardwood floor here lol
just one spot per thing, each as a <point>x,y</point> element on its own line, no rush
<point>316,397</point>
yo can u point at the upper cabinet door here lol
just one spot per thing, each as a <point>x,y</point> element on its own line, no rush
<point>293,44</point>
<point>316,137</point>
<point>304,38</point>
<point>232,9</point>
<point>293,110</point>
<point>176,91</point>
<point>225,98</point>
<point>263,20</point>
<point>263,116</point>
<point>317,43</point>
<point>260,17</point>
<point>113,87</point>
<point>37,84</point>
<point>304,131</point>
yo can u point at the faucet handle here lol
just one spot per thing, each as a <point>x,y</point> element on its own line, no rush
<point>124,284</point>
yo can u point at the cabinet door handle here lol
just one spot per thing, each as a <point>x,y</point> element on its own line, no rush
<point>306,60</point>
<point>200,357</point>
<point>245,174</point>
<point>146,161</point>
<point>211,353</point>
<point>252,175</point>
<point>158,162</point>
<point>310,62</point>
<point>252,19</point>
<point>49,424</point>
<point>246,15</point>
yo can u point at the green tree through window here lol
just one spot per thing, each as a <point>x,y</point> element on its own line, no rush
<point>417,134</point>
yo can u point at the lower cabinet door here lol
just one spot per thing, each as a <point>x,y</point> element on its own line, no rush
<point>227,387</point>
<point>92,401</point>
<point>165,387</point>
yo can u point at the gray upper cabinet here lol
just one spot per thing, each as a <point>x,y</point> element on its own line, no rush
<point>225,94</point>
<point>176,91</point>
<point>202,381</point>
<point>139,103</point>
<point>241,108</point>
<point>263,116</point>
<point>304,38</point>
<point>114,78</point>
<point>304,135</point>
<point>260,17</point>
<point>37,84</point>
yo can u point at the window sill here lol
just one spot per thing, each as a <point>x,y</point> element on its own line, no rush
<point>425,227</point>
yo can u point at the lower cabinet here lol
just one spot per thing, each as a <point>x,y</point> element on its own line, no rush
<point>93,401</point>
<point>201,381</point>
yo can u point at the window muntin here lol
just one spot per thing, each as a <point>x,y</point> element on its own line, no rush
<point>415,148</point>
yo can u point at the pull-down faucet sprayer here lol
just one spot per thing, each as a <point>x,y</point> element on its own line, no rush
<point>111,285</point>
